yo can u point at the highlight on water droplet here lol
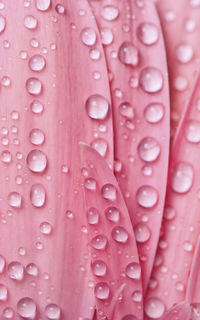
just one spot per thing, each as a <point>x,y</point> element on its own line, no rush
<point>60,9</point>
<point>90,184</point>
<point>101,146</point>
<point>26,308</point>
<point>93,216</point>
<point>99,242</point>
<point>133,271</point>
<point>182,176</point>
<point>3,292</point>
<point>184,53</point>
<point>106,36</point>
<point>97,107</point>
<point>37,107</point>
<point>34,86</point>
<point>53,311</point>
<point>102,291</point>
<point>99,268</point>
<point>36,161</point>
<point>88,36</point>
<point>30,22</point>
<point>38,195</point>
<point>148,33</point>
<point>154,112</point>
<point>126,110</point>
<point>151,80</point>
<point>46,228</point>
<point>32,269</point>
<point>192,131</point>
<point>15,270</point>
<point>154,308</point>
<point>37,62</point>
<point>109,13</point>
<point>6,156</point>
<point>109,192</point>
<point>149,149</point>
<point>43,5</point>
<point>142,232</point>
<point>2,23</point>
<point>120,234</point>
<point>37,137</point>
<point>112,214</point>
<point>147,196</point>
<point>15,199</point>
<point>128,54</point>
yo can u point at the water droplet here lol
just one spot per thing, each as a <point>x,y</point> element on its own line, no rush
<point>30,22</point>
<point>151,80</point>
<point>37,137</point>
<point>93,216</point>
<point>129,317</point>
<point>149,149</point>
<point>14,115</point>
<point>148,33</point>
<point>182,177</point>
<point>99,242</point>
<point>190,25</point>
<point>2,264</point>
<point>15,270</point>
<point>169,213</point>
<point>37,62</point>
<point>120,234</point>
<point>6,156</point>
<point>90,184</point>
<point>192,131</point>
<point>43,5</point>
<point>88,36</point>
<point>106,36</point>
<point>26,308</point>
<point>34,86</point>
<point>5,81</point>
<point>133,270</point>
<point>154,308</point>
<point>147,171</point>
<point>188,246</point>
<point>36,161</point>
<point>53,311</point>
<point>112,214</point>
<point>109,192</point>
<point>194,3</point>
<point>8,313</point>
<point>3,293</point>
<point>2,23</point>
<point>128,54</point>
<point>179,286</point>
<point>46,228</point>
<point>101,146</point>
<point>102,291</point>
<point>60,9</point>
<point>126,110</point>
<point>22,251</point>
<point>154,112</point>
<point>32,270</point>
<point>99,268</point>
<point>184,53</point>
<point>137,296</point>
<point>142,232</point>
<point>180,83</point>
<point>109,13</point>
<point>147,196</point>
<point>15,199</point>
<point>38,195</point>
<point>97,107</point>
<point>95,54</point>
<point>37,107</point>
<point>69,214</point>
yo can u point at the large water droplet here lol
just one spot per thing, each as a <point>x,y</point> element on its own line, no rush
<point>37,137</point>
<point>93,216</point>
<point>88,36</point>
<point>126,110</point>
<point>97,107</point>
<point>109,13</point>
<point>154,308</point>
<point>53,311</point>
<point>147,196</point>
<point>32,270</point>
<point>34,86</point>
<point>102,291</point>
<point>6,156</point>
<point>192,131</point>
<point>182,177</point>
<point>151,80</point>
<point>112,214</point>
<point>148,33</point>
<point>99,242</point>
<point>15,199</point>
<point>154,112</point>
<point>149,149</point>
<point>2,23</point>
<point>37,107</point>
<point>128,54</point>
<point>109,192</point>
<point>3,293</point>
<point>30,22</point>
<point>38,195</point>
<point>106,36</point>
<point>120,234</point>
<point>37,62</point>
<point>184,53</point>
<point>133,270</point>
<point>101,146</point>
<point>26,308</point>
<point>15,270</point>
<point>43,5</point>
<point>142,232</point>
<point>36,161</point>
<point>99,268</point>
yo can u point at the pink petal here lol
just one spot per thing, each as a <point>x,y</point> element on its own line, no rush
<point>181,311</point>
<point>192,293</point>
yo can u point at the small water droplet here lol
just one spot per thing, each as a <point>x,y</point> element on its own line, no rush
<point>147,171</point>
<point>88,36</point>
<point>8,313</point>
<point>179,286</point>
<point>133,270</point>
<point>106,36</point>
<point>154,112</point>
<point>46,228</point>
<point>2,23</point>
<point>109,192</point>
<point>36,161</point>
<point>151,80</point>
<point>15,270</point>
<point>192,131</point>
<point>14,115</point>
<point>3,293</point>
<point>34,86</point>
<point>169,213</point>
<point>93,216</point>
<point>190,25</point>
<point>43,5</point>
<point>148,33</point>
<point>37,137</point>
<point>6,82</point>
<point>126,110</point>
<point>149,149</point>
<point>15,199</point>
<point>60,9</point>
<point>38,195</point>
<point>32,270</point>
<point>26,308</point>
<point>182,177</point>
<point>97,107</point>
<point>37,62</point>
<point>184,53</point>
<point>22,251</point>
<point>101,146</point>
<point>109,13</point>
<point>154,308</point>
<point>147,196</point>
<point>188,246</point>
<point>120,234</point>
<point>90,184</point>
<point>53,311</point>
<point>99,242</point>
<point>99,268</point>
<point>2,264</point>
<point>6,156</point>
<point>30,22</point>
<point>112,214</point>
<point>37,107</point>
<point>136,296</point>
<point>194,3</point>
<point>128,54</point>
<point>142,232</point>
<point>180,83</point>
<point>102,291</point>
<point>95,54</point>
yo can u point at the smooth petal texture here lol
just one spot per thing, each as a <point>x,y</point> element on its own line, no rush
<point>139,84</point>
<point>192,293</point>
<point>115,263</point>
<point>43,118</point>
<point>181,311</point>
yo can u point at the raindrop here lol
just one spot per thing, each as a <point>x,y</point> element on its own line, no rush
<point>133,271</point>
<point>37,63</point>
<point>106,36</point>
<point>8,313</point>
<point>26,308</point>
<point>147,171</point>
<point>129,317</point>
<point>147,196</point>
<point>188,246</point>
<point>184,53</point>
<point>128,54</point>
<point>37,137</point>
<point>179,286</point>
<point>126,110</point>
<point>15,270</point>
<point>93,216</point>
<point>3,293</point>
<point>142,232</point>
<point>46,228</point>
<point>6,82</point>
<point>120,234</point>
<point>43,5</point>
<point>60,9</point>
<point>101,146</point>
<point>151,80</point>
<point>36,161</point>
<point>30,22</point>
<point>99,242</point>
<point>137,296</point>
<point>53,311</point>
<point>37,107</point>
<point>99,268</point>
<point>109,13</point>
<point>154,308</point>
<point>38,195</point>
<point>109,192</point>
<point>190,25</point>
<point>154,112</point>
<point>149,149</point>
<point>148,33</point>
<point>102,291</point>
<point>169,213</point>
<point>95,54</point>
<point>182,177</point>
<point>6,156</point>
<point>2,23</point>
<point>194,3</point>
<point>97,107</point>
<point>180,83</point>
<point>32,270</point>
<point>192,131</point>
<point>15,199</point>
<point>14,115</point>
<point>90,184</point>
<point>2,264</point>
<point>34,86</point>
<point>88,36</point>
<point>112,214</point>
